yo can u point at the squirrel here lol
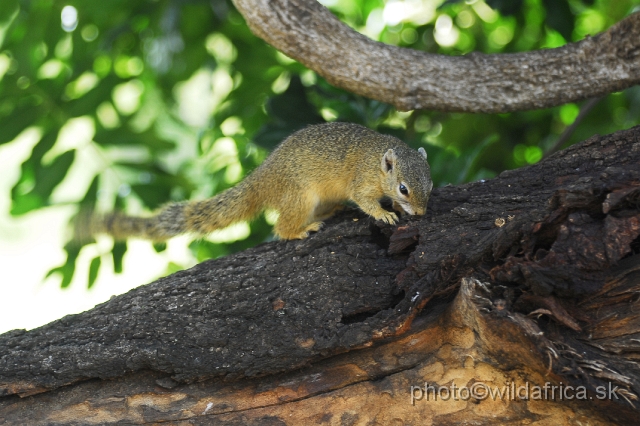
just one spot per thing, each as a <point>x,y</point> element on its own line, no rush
<point>306,179</point>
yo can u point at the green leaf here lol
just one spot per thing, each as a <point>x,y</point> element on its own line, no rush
<point>118,251</point>
<point>23,195</point>
<point>46,179</point>
<point>94,267</point>
<point>25,204</point>
<point>68,268</point>
<point>92,193</point>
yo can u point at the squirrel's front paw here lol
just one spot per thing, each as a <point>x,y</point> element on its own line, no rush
<point>388,217</point>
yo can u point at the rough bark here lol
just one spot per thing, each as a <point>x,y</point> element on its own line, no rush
<point>369,386</point>
<point>410,79</point>
<point>337,328</point>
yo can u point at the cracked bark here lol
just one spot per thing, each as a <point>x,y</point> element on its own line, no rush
<point>411,79</point>
<point>337,328</point>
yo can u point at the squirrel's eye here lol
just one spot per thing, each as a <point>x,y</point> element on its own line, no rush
<point>403,190</point>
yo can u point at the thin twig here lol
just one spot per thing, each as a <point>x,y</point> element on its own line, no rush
<point>586,108</point>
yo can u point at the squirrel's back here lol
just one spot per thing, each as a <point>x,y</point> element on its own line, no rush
<point>327,158</point>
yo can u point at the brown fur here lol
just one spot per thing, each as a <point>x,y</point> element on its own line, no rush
<point>305,179</point>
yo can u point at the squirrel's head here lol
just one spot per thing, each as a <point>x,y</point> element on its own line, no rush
<point>407,179</point>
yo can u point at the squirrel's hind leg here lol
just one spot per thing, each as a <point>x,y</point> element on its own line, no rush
<point>325,210</point>
<point>297,220</point>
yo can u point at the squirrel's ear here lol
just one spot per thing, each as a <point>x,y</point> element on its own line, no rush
<point>422,152</point>
<point>389,160</point>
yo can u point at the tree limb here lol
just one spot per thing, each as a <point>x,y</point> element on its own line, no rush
<point>459,345</point>
<point>410,79</point>
<point>358,313</point>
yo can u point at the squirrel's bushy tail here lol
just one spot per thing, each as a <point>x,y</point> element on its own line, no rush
<point>242,202</point>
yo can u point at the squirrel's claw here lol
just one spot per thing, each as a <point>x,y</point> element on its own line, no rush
<point>388,217</point>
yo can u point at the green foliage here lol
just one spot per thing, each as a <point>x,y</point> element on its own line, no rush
<point>152,101</point>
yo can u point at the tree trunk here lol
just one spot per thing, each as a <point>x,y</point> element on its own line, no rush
<point>526,281</point>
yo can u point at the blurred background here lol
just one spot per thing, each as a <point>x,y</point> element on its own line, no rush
<point>131,104</point>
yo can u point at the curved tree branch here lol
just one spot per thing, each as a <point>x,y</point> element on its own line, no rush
<point>410,79</point>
